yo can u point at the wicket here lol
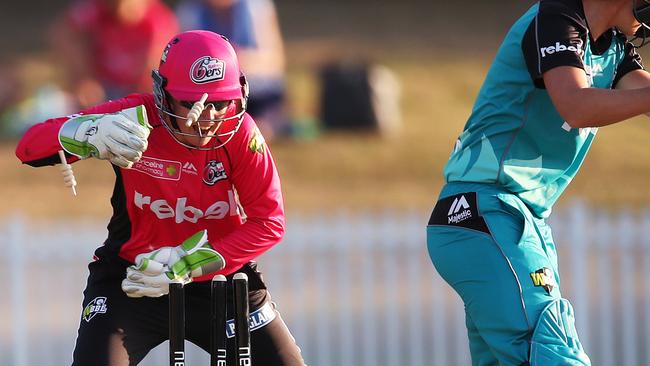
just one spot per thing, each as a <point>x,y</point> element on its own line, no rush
<point>218,339</point>
<point>242,330</point>
<point>218,322</point>
<point>176,324</point>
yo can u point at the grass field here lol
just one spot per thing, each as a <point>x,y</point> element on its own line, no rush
<point>361,172</point>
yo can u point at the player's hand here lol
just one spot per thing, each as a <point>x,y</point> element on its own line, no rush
<point>151,283</point>
<point>119,137</point>
<point>153,271</point>
<point>194,257</point>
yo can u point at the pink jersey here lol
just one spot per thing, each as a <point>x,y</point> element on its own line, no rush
<point>175,191</point>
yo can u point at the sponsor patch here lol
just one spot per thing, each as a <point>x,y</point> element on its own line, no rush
<point>96,306</point>
<point>257,142</point>
<point>459,210</point>
<point>214,172</point>
<point>256,320</point>
<point>159,168</point>
<point>163,58</point>
<point>544,278</point>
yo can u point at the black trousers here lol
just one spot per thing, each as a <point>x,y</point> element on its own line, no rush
<point>118,330</point>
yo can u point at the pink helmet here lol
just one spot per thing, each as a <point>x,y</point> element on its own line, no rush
<point>198,62</point>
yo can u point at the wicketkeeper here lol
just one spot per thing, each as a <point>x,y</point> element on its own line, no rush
<point>196,194</point>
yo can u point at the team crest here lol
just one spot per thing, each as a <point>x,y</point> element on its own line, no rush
<point>257,142</point>
<point>214,172</point>
<point>544,278</point>
<point>207,69</point>
<point>96,306</point>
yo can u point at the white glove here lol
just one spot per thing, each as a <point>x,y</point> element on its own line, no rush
<point>154,282</point>
<point>119,137</point>
<point>153,271</point>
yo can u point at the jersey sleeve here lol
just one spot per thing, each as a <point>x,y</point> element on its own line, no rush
<point>40,145</point>
<point>555,37</point>
<point>257,183</point>
<point>631,61</point>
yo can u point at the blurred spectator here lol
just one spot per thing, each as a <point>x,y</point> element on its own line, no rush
<point>106,47</point>
<point>28,93</point>
<point>253,29</point>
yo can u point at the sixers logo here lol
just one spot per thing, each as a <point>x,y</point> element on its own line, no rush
<point>214,172</point>
<point>207,69</point>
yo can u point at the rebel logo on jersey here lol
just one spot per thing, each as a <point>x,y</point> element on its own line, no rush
<point>182,211</point>
<point>558,47</point>
<point>207,69</point>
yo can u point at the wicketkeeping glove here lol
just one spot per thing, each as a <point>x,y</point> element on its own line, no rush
<point>153,271</point>
<point>119,137</point>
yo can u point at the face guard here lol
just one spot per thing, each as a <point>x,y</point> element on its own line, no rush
<point>641,10</point>
<point>200,65</point>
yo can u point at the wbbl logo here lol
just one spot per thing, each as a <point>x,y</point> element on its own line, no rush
<point>96,306</point>
<point>544,278</point>
<point>455,215</point>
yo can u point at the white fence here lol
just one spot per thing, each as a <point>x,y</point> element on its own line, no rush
<point>354,289</point>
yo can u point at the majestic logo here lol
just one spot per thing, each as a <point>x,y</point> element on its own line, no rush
<point>558,47</point>
<point>207,69</point>
<point>159,168</point>
<point>455,215</point>
<point>96,306</point>
<point>181,211</point>
<point>190,168</point>
<point>257,142</point>
<point>214,172</point>
<point>544,278</point>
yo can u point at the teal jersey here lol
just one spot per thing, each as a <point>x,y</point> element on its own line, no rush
<point>515,138</point>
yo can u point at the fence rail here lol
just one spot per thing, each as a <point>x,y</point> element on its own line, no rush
<point>355,289</point>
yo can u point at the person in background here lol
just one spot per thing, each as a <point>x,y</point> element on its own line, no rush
<point>252,27</point>
<point>106,47</point>
<point>565,68</point>
<point>196,194</point>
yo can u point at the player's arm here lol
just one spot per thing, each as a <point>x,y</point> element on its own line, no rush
<point>583,106</point>
<point>109,131</point>
<point>256,179</point>
<point>553,47</point>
